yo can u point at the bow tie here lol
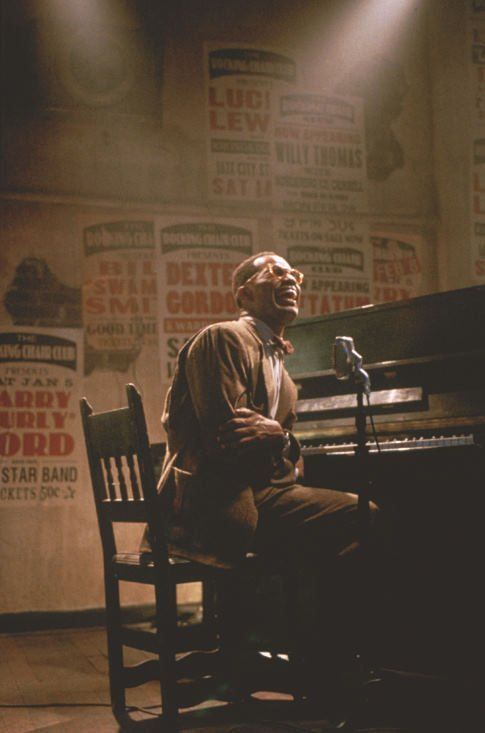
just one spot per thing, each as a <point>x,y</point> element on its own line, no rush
<point>283,344</point>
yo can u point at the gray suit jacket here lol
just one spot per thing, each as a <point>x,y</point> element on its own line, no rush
<point>209,495</point>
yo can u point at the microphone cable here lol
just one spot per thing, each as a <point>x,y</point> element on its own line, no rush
<point>373,427</point>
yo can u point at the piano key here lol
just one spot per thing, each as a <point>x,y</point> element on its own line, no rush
<point>392,445</point>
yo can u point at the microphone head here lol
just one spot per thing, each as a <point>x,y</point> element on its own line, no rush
<point>343,350</point>
<point>348,363</point>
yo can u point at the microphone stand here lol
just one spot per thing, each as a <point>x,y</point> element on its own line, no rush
<point>361,382</point>
<point>362,456</point>
<point>348,367</point>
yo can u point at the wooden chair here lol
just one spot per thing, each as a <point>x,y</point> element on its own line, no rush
<point>124,487</point>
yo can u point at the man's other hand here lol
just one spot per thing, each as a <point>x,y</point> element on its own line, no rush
<point>248,429</point>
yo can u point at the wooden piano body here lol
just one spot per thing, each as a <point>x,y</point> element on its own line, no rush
<point>426,361</point>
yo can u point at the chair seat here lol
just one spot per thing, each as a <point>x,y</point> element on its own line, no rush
<point>145,559</point>
<point>186,565</point>
<point>140,567</point>
<point>180,549</point>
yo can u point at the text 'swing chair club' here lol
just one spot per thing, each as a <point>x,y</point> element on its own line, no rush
<point>124,486</point>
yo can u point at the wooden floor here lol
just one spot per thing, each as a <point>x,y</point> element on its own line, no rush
<point>57,682</point>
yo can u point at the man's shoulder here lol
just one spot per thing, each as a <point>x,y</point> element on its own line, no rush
<point>238,335</point>
<point>223,329</point>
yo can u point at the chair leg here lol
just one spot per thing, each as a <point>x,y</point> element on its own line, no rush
<point>166,624</point>
<point>295,652</point>
<point>209,611</point>
<point>115,649</point>
<point>231,632</point>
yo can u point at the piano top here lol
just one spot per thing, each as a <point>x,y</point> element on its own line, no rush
<point>434,343</point>
<point>418,329</point>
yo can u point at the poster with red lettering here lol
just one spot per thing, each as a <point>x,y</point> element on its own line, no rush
<point>334,254</point>
<point>40,431</point>
<point>241,81</point>
<point>119,292</point>
<point>196,258</point>
<point>397,266</point>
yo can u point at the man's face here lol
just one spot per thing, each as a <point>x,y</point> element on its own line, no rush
<point>273,292</point>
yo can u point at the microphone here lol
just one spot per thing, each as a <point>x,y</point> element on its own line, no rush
<point>348,363</point>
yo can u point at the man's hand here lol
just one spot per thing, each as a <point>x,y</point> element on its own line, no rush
<point>248,429</point>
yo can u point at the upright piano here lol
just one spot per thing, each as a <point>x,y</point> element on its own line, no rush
<point>426,361</point>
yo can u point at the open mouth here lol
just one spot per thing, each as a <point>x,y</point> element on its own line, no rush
<point>287,295</point>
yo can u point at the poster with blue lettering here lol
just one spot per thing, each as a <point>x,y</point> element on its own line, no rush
<point>195,261</point>
<point>241,81</point>
<point>40,431</point>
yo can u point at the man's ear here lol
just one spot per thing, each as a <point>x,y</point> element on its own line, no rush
<point>243,294</point>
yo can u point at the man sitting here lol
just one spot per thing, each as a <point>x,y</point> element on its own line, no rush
<point>230,477</point>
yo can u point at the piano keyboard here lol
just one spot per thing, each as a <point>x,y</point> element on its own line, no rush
<point>390,446</point>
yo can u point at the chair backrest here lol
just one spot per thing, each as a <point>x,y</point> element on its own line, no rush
<point>121,468</point>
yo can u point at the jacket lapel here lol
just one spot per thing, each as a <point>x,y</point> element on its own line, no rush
<point>265,365</point>
<point>268,381</point>
<point>287,399</point>
<point>288,393</point>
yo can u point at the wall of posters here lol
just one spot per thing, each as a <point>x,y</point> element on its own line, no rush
<point>241,81</point>
<point>196,258</point>
<point>334,255</point>
<point>103,237</point>
<point>40,444</point>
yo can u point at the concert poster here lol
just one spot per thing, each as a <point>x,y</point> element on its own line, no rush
<point>318,154</point>
<point>119,292</point>
<point>334,255</point>
<point>195,261</point>
<point>241,82</point>
<point>41,374</point>
<point>397,266</point>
